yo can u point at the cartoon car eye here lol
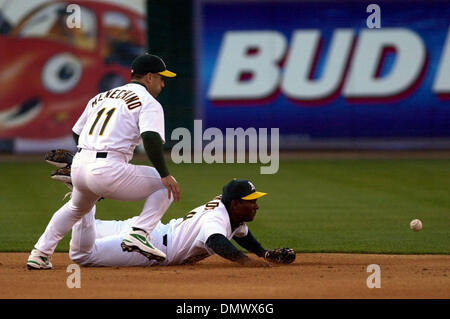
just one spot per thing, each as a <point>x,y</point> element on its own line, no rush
<point>61,73</point>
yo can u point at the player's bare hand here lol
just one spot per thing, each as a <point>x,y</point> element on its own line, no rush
<point>172,187</point>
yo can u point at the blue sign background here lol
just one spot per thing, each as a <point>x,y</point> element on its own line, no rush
<point>421,114</point>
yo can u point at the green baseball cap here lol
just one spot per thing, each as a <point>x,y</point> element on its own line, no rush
<point>149,63</point>
<point>240,189</point>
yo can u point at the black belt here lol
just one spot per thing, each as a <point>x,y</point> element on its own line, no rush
<point>98,155</point>
<point>165,240</point>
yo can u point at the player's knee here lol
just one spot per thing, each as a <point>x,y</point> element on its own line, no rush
<point>78,254</point>
<point>80,210</point>
<point>78,257</point>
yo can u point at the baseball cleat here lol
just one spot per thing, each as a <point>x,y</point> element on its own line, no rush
<point>38,260</point>
<point>137,240</point>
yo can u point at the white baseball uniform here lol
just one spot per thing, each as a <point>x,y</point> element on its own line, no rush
<point>109,130</point>
<point>97,242</point>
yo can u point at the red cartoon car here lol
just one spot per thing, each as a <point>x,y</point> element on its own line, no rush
<point>50,69</point>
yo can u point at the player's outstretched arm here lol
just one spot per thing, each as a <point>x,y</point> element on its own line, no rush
<point>276,256</point>
<point>251,244</point>
<point>224,248</point>
<point>153,146</point>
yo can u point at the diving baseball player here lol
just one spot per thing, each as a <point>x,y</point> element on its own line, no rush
<point>204,231</point>
<point>111,126</point>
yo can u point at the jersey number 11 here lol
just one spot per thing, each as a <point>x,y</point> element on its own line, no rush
<point>99,114</point>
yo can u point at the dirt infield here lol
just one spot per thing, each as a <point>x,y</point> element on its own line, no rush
<point>311,276</point>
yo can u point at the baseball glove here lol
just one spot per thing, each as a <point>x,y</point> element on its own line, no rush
<point>280,255</point>
<point>63,160</point>
<point>62,175</point>
<point>59,158</point>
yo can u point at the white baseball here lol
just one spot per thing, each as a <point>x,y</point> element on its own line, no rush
<point>415,225</point>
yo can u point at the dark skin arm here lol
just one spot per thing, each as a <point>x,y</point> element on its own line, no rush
<point>153,145</point>
<point>251,244</point>
<point>224,248</point>
<point>154,148</point>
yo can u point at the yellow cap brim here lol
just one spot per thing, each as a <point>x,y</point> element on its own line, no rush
<point>254,195</point>
<point>167,74</point>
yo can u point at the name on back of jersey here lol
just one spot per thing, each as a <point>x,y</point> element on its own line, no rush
<point>131,99</point>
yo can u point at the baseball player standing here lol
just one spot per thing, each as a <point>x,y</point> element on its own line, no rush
<point>111,126</point>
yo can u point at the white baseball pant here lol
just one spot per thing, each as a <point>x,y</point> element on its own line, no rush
<point>113,178</point>
<point>97,242</point>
